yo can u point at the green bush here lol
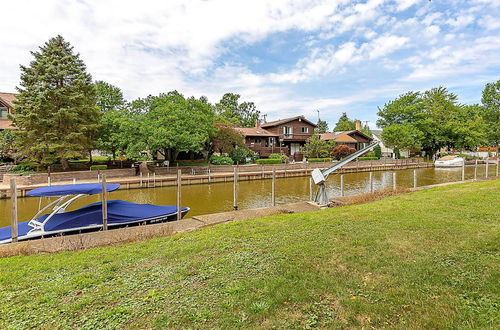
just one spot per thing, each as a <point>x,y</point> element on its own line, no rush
<point>98,167</point>
<point>368,158</point>
<point>221,160</point>
<point>240,155</point>
<point>282,157</point>
<point>268,161</point>
<point>80,166</point>
<point>319,160</point>
<point>377,151</point>
<point>24,168</point>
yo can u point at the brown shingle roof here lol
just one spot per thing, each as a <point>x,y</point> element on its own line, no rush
<point>254,131</point>
<point>6,124</point>
<point>342,137</point>
<point>286,120</point>
<point>8,99</point>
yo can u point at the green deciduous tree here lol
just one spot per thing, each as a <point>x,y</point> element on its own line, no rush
<point>491,114</point>
<point>56,107</point>
<point>226,138</point>
<point>344,124</point>
<point>435,118</point>
<point>317,148</point>
<point>243,114</point>
<point>402,136</point>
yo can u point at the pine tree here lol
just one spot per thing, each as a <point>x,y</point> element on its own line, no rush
<point>344,123</point>
<point>56,107</point>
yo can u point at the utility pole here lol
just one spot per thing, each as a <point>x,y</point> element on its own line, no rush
<point>318,115</point>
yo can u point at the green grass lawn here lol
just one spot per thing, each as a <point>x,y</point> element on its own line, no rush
<point>427,259</point>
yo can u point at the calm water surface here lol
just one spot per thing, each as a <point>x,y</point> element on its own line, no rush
<point>218,197</point>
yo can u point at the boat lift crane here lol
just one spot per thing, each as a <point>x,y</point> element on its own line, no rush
<point>319,177</point>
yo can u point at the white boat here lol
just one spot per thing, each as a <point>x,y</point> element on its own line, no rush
<point>450,161</point>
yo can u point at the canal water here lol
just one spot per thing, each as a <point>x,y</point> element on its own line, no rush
<point>218,197</point>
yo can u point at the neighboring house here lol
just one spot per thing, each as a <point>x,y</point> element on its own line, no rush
<point>285,136</point>
<point>6,108</point>
<point>386,151</point>
<point>353,139</point>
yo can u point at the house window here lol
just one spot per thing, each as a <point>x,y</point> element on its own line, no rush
<point>305,129</point>
<point>3,111</point>
<point>287,130</point>
<point>257,141</point>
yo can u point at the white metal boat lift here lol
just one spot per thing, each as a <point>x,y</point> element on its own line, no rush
<point>319,177</point>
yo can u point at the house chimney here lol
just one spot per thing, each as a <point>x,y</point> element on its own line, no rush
<point>257,123</point>
<point>358,125</point>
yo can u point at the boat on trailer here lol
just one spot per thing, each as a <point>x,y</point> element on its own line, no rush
<point>449,161</point>
<point>54,220</point>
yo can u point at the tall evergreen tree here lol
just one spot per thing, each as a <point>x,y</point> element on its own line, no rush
<point>321,127</point>
<point>344,123</point>
<point>56,106</point>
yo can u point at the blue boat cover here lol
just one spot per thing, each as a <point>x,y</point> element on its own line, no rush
<point>72,189</point>
<point>119,212</point>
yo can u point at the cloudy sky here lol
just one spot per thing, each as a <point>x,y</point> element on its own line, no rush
<point>289,57</point>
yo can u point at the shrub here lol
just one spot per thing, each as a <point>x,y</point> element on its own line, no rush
<point>319,160</point>
<point>221,160</point>
<point>240,155</point>
<point>342,151</point>
<point>268,161</point>
<point>367,158</point>
<point>24,168</point>
<point>98,167</point>
<point>283,157</point>
<point>378,152</point>
<point>80,166</point>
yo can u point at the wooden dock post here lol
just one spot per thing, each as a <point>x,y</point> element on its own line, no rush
<point>262,170</point>
<point>273,189</point>
<point>414,178</point>
<point>179,195</point>
<point>310,189</point>
<point>74,180</point>
<point>141,180</point>
<point>486,173</point>
<point>393,180</point>
<point>371,182</point>
<point>13,218</point>
<point>209,176</point>
<point>475,171</point>
<point>342,185</point>
<point>49,178</point>
<point>463,172</point>
<point>104,203</point>
<point>235,189</point>
<point>498,160</point>
<point>154,179</point>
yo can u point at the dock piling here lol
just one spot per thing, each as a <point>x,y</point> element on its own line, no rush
<point>414,178</point>
<point>475,171</point>
<point>310,189</point>
<point>74,180</point>
<point>342,185</point>
<point>463,172</point>
<point>497,167</point>
<point>141,180</point>
<point>273,189</point>
<point>13,218</point>
<point>393,180</point>
<point>179,188</point>
<point>486,174</point>
<point>235,189</point>
<point>104,203</point>
<point>371,182</point>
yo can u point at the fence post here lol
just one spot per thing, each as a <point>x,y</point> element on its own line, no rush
<point>475,171</point>
<point>13,218</point>
<point>235,189</point>
<point>310,189</point>
<point>342,185</point>
<point>104,203</point>
<point>414,178</point>
<point>273,189</point>
<point>393,180</point>
<point>179,186</point>
<point>486,174</point>
<point>463,172</point>
<point>371,182</point>
<point>49,178</point>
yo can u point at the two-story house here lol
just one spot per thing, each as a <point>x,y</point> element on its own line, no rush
<point>284,136</point>
<point>6,108</point>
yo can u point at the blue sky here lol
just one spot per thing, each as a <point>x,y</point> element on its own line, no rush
<point>289,57</point>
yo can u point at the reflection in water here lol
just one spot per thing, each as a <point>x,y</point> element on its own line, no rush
<point>218,197</point>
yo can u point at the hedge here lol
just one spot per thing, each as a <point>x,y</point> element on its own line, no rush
<point>98,167</point>
<point>367,158</point>
<point>319,160</point>
<point>268,161</point>
<point>221,160</point>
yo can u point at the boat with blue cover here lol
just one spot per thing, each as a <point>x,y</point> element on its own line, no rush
<point>53,219</point>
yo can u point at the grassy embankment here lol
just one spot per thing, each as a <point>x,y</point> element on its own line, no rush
<point>428,259</point>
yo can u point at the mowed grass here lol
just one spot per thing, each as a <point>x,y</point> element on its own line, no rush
<point>427,259</point>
